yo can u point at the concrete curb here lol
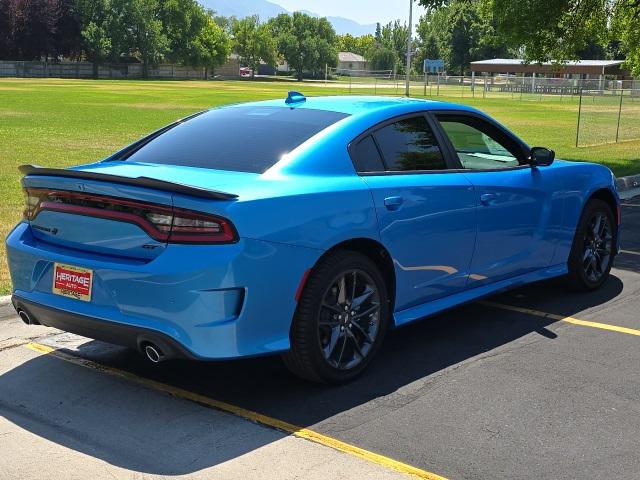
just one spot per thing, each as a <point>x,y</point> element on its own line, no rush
<point>627,183</point>
<point>6,308</point>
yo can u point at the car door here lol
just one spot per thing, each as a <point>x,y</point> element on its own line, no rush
<point>426,213</point>
<point>518,216</point>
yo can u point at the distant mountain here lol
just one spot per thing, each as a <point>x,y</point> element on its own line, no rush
<point>266,10</point>
<point>345,25</point>
<point>244,8</point>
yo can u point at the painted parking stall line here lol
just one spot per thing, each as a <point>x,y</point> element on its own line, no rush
<point>560,318</point>
<point>252,416</point>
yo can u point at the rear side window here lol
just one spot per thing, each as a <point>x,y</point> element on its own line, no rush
<point>243,139</point>
<point>409,145</point>
<point>366,156</point>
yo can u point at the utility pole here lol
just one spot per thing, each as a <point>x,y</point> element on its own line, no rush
<point>408,86</point>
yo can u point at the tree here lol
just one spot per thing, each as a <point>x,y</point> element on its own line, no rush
<point>225,23</point>
<point>362,45</point>
<point>254,42</point>
<point>67,37</point>
<point>394,36</point>
<point>460,32</point>
<point>6,26</point>
<point>462,36</point>
<point>305,42</point>
<point>431,48</point>
<point>347,43</point>
<point>182,21</point>
<point>30,29</point>
<point>560,30</point>
<point>625,20</point>
<point>366,45</point>
<point>210,48</point>
<point>143,30</point>
<point>95,20</point>
<point>428,49</point>
<point>383,58</point>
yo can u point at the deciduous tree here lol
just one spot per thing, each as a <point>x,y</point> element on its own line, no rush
<point>95,18</point>
<point>210,48</point>
<point>254,42</point>
<point>30,29</point>
<point>305,42</point>
<point>143,30</point>
<point>561,29</point>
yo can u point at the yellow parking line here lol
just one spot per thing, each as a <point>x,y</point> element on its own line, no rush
<point>243,413</point>
<point>560,318</point>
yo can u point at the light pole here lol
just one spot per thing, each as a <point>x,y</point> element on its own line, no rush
<point>408,84</point>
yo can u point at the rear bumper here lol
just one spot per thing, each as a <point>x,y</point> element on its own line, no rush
<point>212,301</point>
<point>110,332</point>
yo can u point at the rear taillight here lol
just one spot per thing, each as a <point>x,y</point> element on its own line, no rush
<point>195,227</point>
<point>162,223</point>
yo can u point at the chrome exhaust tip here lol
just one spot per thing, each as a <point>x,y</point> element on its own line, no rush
<point>24,316</point>
<point>153,353</point>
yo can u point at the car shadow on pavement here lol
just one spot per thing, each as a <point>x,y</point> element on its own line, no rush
<point>412,361</point>
<point>121,424</point>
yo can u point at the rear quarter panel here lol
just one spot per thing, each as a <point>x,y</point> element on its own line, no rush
<point>303,211</point>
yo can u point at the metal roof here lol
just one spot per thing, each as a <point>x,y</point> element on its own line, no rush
<point>350,57</point>
<point>581,63</point>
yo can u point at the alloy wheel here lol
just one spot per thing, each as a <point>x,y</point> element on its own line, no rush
<point>349,319</point>
<point>598,241</point>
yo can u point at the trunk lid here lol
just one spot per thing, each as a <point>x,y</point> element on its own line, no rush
<point>116,208</point>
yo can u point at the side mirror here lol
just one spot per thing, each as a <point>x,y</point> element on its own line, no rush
<point>541,157</point>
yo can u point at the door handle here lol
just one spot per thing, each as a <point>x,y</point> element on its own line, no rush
<point>487,198</point>
<point>393,203</point>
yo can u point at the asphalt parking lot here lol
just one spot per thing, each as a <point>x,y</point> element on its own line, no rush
<point>537,383</point>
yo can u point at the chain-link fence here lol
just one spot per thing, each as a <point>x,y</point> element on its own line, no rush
<point>608,110</point>
<point>608,117</point>
<point>478,86</point>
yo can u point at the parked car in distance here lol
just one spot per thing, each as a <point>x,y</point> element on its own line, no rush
<point>245,72</point>
<point>305,227</point>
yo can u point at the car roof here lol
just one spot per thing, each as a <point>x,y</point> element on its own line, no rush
<point>360,105</point>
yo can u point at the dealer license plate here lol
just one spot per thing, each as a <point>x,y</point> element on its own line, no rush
<point>73,282</point>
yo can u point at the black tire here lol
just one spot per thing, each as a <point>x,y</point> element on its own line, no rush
<point>315,330</point>
<point>592,253</point>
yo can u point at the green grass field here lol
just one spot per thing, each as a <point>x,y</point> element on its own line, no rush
<point>67,122</point>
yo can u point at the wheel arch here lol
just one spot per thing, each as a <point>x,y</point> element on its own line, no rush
<point>378,254</point>
<point>606,195</point>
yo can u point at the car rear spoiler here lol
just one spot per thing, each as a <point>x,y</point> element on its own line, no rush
<point>137,181</point>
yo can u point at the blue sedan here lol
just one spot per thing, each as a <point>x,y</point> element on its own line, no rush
<point>306,227</point>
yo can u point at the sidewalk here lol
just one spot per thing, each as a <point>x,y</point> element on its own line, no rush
<point>59,420</point>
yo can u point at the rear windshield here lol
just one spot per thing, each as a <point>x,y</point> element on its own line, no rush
<point>244,139</point>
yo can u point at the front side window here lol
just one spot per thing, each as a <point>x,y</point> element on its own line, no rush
<point>409,145</point>
<point>479,146</point>
<point>243,139</point>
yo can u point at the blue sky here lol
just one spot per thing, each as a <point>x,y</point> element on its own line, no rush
<point>362,11</point>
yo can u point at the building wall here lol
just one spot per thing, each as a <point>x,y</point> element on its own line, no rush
<point>351,66</point>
